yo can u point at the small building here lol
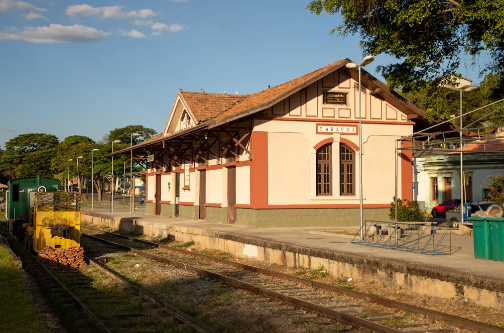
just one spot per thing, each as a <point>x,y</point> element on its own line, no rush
<point>285,156</point>
<point>437,175</point>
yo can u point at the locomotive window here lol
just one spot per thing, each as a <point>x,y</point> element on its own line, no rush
<point>15,192</point>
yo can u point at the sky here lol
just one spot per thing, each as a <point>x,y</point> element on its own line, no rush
<point>87,67</point>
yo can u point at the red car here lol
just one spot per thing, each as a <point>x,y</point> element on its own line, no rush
<point>445,207</point>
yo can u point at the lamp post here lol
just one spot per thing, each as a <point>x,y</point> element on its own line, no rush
<point>132,189</point>
<point>78,178</point>
<point>112,187</point>
<point>124,180</point>
<point>461,89</point>
<point>92,177</point>
<point>68,174</point>
<point>366,61</point>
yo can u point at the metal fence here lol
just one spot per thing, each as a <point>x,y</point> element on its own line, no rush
<point>416,237</point>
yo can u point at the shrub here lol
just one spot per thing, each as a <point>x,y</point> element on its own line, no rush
<point>407,211</point>
<point>496,186</point>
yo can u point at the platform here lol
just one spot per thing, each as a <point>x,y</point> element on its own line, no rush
<point>459,274</point>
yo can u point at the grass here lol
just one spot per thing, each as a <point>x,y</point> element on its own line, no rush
<point>374,294</point>
<point>187,244</point>
<point>18,312</point>
<point>311,274</point>
<point>393,322</point>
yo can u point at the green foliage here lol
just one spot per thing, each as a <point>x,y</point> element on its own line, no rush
<point>123,134</point>
<point>429,37</point>
<point>187,244</point>
<point>407,211</point>
<point>442,103</point>
<point>29,155</point>
<point>102,162</point>
<point>496,187</point>
<point>311,274</point>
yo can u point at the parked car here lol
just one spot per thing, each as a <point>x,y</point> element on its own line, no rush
<point>444,207</point>
<point>477,206</point>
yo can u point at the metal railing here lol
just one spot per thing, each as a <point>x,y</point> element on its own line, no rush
<point>416,237</point>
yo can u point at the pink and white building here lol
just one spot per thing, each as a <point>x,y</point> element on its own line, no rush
<point>285,156</point>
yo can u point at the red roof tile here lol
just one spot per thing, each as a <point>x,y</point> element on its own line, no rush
<point>206,106</point>
<point>263,99</point>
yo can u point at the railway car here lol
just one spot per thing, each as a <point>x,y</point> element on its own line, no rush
<point>39,215</point>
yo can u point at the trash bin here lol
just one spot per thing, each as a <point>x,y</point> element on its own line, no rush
<point>488,238</point>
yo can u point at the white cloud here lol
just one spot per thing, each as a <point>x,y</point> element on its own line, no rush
<point>107,12</point>
<point>27,9</point>
<point>163,28</point>
<point>7,129</point>
<point>140,23</point>
<point>133,34</point>
<point>180,0</point>
<point>55,33</point>
<point>32,16</point>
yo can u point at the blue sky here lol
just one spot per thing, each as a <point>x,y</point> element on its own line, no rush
<point>86,67</point>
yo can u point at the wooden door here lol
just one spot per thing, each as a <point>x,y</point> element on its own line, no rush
<point>231,195</point>
<point>157,196</point>
<point>468,189</point>
<point>177,193</point>
<point>447,188</point>
<point>202,195</point>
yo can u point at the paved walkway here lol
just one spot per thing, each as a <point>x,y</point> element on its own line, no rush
<point>318,237</point>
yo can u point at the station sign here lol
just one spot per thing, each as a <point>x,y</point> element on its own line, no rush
<point>331,128</point>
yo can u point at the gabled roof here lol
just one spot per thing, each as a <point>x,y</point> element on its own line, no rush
<point>206,106</point>
<point>212,110</point>
<point>266,98</point>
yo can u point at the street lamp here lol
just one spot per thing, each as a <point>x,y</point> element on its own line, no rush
<point>461,89</point>
<point>112,188</point>
<point>92,178</point>
<point>68,174</point>
<point>366,61</point>
<point>78,178</point>
<point>132,189</point>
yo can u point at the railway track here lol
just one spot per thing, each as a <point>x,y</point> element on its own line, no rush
<point>90,297</point>
<point>348,306</point>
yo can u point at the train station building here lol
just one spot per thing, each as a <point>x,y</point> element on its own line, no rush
<point>285,156</point>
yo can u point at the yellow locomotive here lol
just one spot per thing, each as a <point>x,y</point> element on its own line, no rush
<point>39,215</point>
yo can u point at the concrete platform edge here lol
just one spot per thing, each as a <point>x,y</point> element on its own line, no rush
<point>420,278</point>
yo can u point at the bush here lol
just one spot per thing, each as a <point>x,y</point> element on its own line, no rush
<point>496,186</point>
<point>407,211</point>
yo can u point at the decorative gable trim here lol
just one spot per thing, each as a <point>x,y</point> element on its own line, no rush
<point>180,98</point>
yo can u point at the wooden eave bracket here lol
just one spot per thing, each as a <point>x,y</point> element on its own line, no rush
<point>238,143</point>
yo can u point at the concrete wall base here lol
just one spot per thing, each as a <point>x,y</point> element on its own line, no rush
<point>425,280</point>
<point>150,208</point>
<point>189,212</point>
<point>216,214</point>
<point>294,217</point>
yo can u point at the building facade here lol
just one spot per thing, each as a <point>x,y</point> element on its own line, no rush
<point>285,156</point>
<point>437,176</point>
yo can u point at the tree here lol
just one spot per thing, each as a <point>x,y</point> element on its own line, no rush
<point>124,134</point>
<point>429,36</point>
<point>29,155</point>
<point>102,163</point>
<point>442,103</point>
<point>65,151</point>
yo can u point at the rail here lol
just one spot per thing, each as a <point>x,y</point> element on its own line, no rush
<point>430,314</point>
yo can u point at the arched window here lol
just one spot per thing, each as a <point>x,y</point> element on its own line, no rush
<point>347,170</point>
<point>324,167</point>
